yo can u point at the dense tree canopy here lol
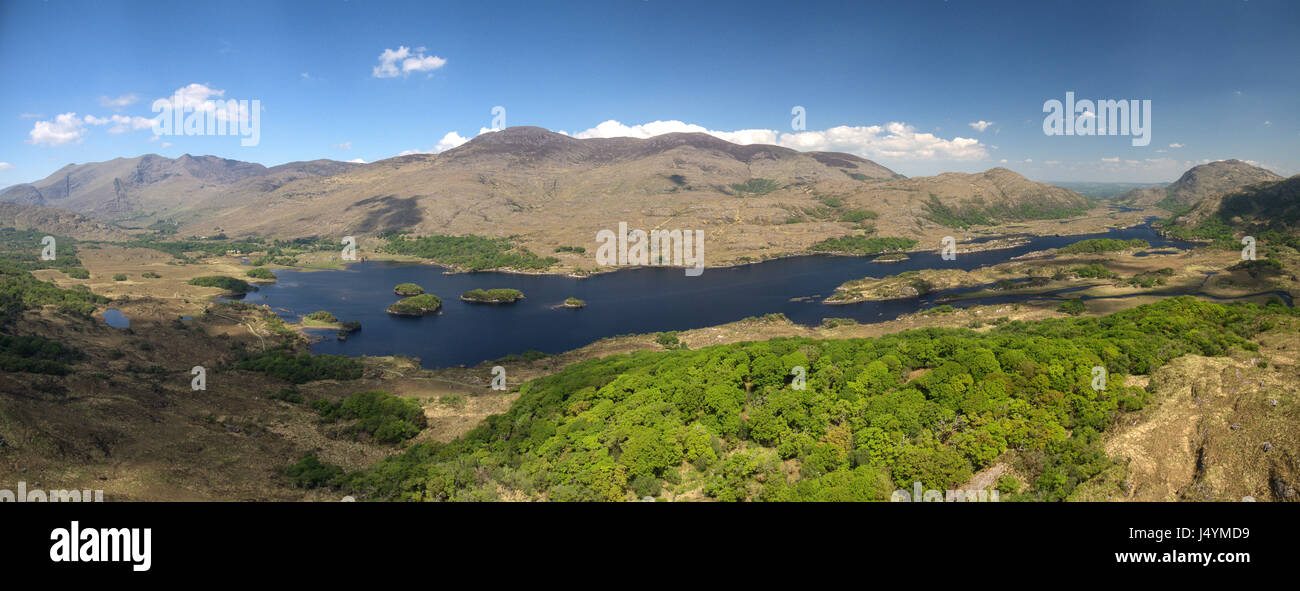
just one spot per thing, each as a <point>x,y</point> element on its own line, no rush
<point>930,405</point>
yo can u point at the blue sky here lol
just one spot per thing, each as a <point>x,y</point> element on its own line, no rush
<point>904,83</point>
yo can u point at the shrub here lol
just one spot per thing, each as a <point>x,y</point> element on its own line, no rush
<point>755,187</point>
<point>304,367</point>
<point>668,339</point>
<point>1072,306</point>
<point>229,284</point>
<point>260,273</point>
<point>310,472</point>
<point>387,418</point>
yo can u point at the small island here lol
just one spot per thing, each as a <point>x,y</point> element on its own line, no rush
<point>323,319</point>
<point>408,289</point>
<point>492,296</point>
<point>420,305</point>
<point>573,303</point>
<point>896,257</point>
<point>261,275</point>
<point>320,318</point>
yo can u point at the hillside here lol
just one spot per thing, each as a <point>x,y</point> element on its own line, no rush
<point>549,190</point>
<point>1269,209</point>
<point>1200,182</point>
<point>154,187</point>
<point>726,423</point>
<point>57,221</point>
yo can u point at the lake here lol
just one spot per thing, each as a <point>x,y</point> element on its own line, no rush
<point>630,301</point>
<point>116,319</point>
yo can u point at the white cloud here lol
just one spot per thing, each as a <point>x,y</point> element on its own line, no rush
<point>200,98</point>
<point>1175,145</point>
<point>413,151</point>
<point>357,161</point>
<point>1112,159</point>
<point>5,166</point>
<point>404,60</point>
<point>305,76</point>
<point>166,145</point>
<point>980,125</point>
<point>125,100</point>
<point>449,141</point>
<point>121,123</point>
<point>65,129</point>
<point>893,140</point>
<point>1268,123</point>
<point>342,146</point>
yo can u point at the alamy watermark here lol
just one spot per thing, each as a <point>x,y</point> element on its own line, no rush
<point>36,495</point>
<point>1103,117</point>
<point>183,115</point>
<point>48,250</point>
<point>920,495</point>
<point>948,251</point>
<point>680,248</point>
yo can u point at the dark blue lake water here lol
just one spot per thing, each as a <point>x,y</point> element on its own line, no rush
<point>116,319</point>
<point>630,301</point>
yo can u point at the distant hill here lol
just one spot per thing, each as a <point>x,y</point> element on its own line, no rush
<point>57,221</point>
<point>156,187</point>
<point>1200,182</point>
<point>1103,190</point>
<point>1268,210</point>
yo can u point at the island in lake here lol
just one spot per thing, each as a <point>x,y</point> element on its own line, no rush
<point>492,296</point>
<point>420,305</point>
<point>407,289</point>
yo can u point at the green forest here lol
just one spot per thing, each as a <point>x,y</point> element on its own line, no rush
<point>470,253</point>
<point>1095,245</point>
<point>858,244</point>
<point>980,214</point>
<point>930,405</point>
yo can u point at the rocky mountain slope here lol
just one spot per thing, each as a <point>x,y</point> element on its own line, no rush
<point>155,187</point>
<point>550,190</point>
<point>1199,182</point>
<point>1269,205</point>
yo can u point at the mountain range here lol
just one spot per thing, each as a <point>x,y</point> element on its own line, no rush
<point>549,190</point>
